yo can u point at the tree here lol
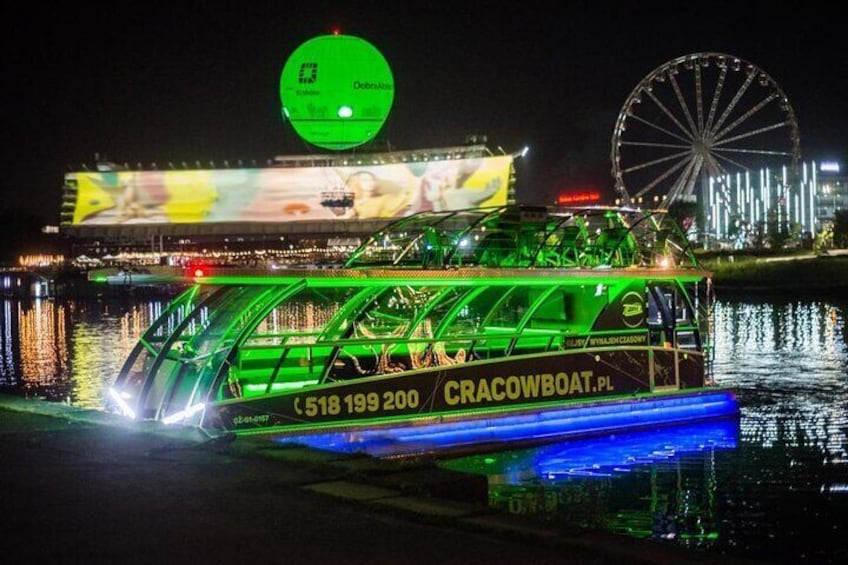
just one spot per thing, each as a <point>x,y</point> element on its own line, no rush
<point>824,239</point>
<point>778,229</point>
<point>684,213</point>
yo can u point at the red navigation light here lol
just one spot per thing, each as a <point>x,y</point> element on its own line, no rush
<point>337,31</point>
<point>199,272</point>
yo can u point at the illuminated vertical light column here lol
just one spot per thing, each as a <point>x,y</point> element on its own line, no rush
<point>762,191</point>
<point>738,205</point>
<point>711,201</point>
<point>720,204</point>
<point>813,190</point>
<point>727,200</point>
<point>749,200</point>
<point>767,199</point>
<point>798,217</point>
<point>801,207</point>
<point>787,195</point>
<point>806,181</point>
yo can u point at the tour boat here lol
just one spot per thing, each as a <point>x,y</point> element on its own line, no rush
<point>545,320</point>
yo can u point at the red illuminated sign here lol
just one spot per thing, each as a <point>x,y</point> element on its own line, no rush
<point>579,197</point>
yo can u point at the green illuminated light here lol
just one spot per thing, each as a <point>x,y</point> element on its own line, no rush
<point>358,279</point>
<point>254,389</point>
<point>336,91</point>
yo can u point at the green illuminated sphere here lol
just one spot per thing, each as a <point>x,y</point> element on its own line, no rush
<point>337,91</point>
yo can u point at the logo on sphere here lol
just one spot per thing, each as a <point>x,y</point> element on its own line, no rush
<point>308,73</point>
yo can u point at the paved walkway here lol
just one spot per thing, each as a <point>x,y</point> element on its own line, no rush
<point>87,487</point>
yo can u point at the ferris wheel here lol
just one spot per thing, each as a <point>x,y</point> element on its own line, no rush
<point>699,116</point>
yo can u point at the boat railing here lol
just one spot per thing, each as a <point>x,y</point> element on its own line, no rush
<point>506,238</point>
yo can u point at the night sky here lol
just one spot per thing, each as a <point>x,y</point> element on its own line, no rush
<point>195,81</point>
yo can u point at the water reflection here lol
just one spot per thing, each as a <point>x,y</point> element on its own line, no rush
<point>779,495</point>
<point>69,350</point>
<point>668,475</point>
<point>35,346</point>
<point>789,362</point>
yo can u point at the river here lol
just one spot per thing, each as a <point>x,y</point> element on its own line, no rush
<point>772,486</point>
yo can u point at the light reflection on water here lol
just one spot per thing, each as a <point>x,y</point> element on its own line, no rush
<point>69,351</point>
<point>656,483</point>
<point>789,362</point>
<point>780,494</point>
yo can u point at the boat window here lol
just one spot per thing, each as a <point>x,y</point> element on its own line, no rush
<point>510,311</point>
<point>394,312</point>
<point>493,346</point>
<point>496,249</point>
<point>302,317</point>
<point>676,303</point>
<point>392,356</point>
<point>660,306</point>
<point>469,319</point>
<point>445,306</point>
<point>693,293</point>
<point>683,310</point>
<point>551,314</point>
<point>687,340</point>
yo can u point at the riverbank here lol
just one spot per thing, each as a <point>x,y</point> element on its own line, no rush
<point>737,272</point>
<point>86,486</point>
<point>805,273</point>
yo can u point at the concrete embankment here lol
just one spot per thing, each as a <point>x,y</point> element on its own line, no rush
<point>82,486</point>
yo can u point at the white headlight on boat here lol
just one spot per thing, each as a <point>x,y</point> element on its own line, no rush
<point>125,408</point>
<point>184,414</point>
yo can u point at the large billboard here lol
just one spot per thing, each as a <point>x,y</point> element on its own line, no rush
<point>284,194</point>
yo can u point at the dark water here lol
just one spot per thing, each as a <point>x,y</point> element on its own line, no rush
<point>69,350</point>
<point>772,486</point>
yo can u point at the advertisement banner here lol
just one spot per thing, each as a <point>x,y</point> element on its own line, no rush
<point>287,194</point>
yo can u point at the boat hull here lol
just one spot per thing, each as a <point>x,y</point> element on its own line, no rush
<point>473,390</point>
<point>542,425</point>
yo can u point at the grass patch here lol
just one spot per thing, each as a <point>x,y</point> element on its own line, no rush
<point>789,272</point>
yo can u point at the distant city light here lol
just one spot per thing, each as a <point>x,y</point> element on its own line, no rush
<point>829,167</point>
